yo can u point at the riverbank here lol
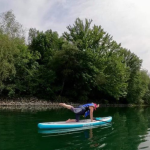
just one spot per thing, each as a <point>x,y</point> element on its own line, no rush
<point>28,102</point>
<point>34,102</point>
<point>33,107</point>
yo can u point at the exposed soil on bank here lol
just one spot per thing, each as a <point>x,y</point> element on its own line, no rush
<point>30,103</point>
<point>37,104</point>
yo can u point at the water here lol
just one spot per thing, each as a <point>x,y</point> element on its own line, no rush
<point>129,130</point>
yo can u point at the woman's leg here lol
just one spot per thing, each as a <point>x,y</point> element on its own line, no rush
<point>65,105</point>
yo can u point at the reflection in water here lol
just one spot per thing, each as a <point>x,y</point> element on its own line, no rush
<point>77,137</point>
<point>71,130</point>
<point>129,130</point>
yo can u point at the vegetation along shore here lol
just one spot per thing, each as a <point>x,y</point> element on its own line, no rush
<point>81,65</point>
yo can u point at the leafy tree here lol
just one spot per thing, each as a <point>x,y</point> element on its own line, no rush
<point>18,64</point>
<point>26,72</point>
<point>85,63</point>
<point>9,25</point>
<point>33,33</point>
<point>117,75</point>
<point>139,87</point>
<point>8,51</point>
<point>112,75</point>
<point>135,88</point>
<point>83,36</point>
<point>146,97</point>
<point>46,44</point>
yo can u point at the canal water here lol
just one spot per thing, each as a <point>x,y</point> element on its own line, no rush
<point>129,130</point>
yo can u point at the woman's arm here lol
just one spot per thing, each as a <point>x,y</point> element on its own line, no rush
<point>91,113</point>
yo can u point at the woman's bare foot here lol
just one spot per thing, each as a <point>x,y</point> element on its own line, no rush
<point>61,104</point>
<point>65,105</point>
<point>68,121</point>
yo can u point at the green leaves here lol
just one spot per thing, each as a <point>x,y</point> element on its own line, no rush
<point>9,25</point>
<point>84,64</point>
<point>8,51</point>
<point>138,87</point>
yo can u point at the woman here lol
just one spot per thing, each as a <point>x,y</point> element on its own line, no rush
<point>86,109</point>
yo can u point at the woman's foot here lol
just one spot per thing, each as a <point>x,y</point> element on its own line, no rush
<point>61,104</point>
<point>65,105</point>
<point>68,120</point>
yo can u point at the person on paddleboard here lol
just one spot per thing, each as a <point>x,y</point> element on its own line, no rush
<point>86,109</point>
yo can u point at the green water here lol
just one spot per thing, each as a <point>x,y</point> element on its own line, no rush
<point>129,130</point>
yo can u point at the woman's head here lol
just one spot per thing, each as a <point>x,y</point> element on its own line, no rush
<point>96,106</point>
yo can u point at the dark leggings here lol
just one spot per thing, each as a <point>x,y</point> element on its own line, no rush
<point>78,112</point>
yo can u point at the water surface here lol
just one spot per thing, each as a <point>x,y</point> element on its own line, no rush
<point>129,130</point>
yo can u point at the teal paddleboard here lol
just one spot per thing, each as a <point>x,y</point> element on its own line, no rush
<point>80,124</point>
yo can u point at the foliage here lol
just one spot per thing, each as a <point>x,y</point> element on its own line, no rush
<point>84,64</point>
<point>9,25</point>
<point>46,44</point>
<point>8,51</point>
<point>138,87</point>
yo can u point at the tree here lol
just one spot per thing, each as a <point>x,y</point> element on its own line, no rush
<point>138,87</point>
<point>33,33</point>
<point>111,75</point>
<point>8,52</point>
<point>146,97</point>
<point>10,33</point>
<point>18,64</point>
<point>135,89</point>
<point>46,44</point>
<point>9,25</point>
<point>83,36</point>
<point>25,80</point>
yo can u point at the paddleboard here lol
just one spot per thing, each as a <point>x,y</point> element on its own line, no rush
<point>80,124</point>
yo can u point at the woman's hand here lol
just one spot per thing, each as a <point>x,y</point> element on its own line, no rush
<point>93,120</point>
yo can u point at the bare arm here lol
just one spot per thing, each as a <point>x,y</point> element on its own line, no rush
<point>91,112</point>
